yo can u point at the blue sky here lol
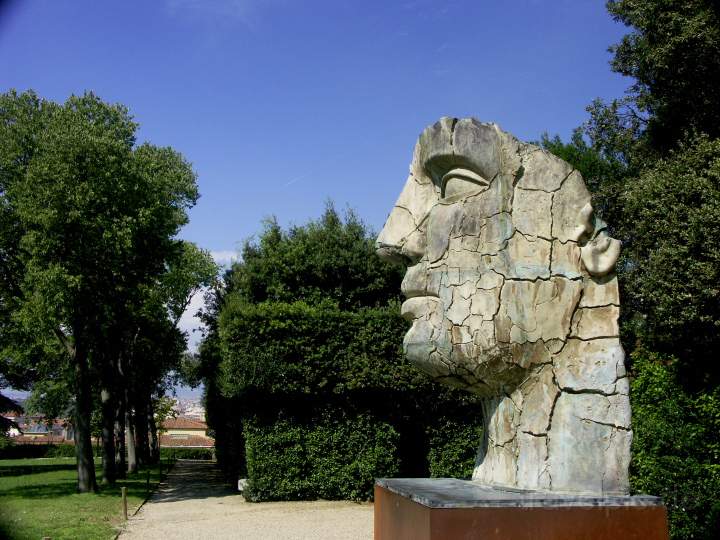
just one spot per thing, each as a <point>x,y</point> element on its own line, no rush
<point>283,104</point>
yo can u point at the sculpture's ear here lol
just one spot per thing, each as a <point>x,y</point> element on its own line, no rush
<point>600,252</point>
<point>402,239</point>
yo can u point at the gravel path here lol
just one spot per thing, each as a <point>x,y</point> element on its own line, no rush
<point>194,503</point>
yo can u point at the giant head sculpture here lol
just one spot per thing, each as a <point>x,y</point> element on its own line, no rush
<point>512,295</point>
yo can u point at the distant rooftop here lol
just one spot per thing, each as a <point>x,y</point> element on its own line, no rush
<point>182,422</point>
<point>187,441</point>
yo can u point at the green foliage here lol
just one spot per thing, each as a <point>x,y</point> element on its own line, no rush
<point>296,349</point>
<point>331,456</point>
<point>330,258</point>
<point>38,498</point>
<point>27,451</point>
<point>186,453</point>
<point>674,279</point>
<point>676,446</point>
<point>653,161</point>
<point>453,447</point>
<point>163,409</point>
<point>92,271</point>
<point>673,55</point>
<point>306,384</point>
<point>188,272</point>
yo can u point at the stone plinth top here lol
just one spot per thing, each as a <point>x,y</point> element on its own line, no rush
<point>453,493</point>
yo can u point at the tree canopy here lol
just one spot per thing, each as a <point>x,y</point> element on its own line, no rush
<point>92,275</point>
<point>652,159</point>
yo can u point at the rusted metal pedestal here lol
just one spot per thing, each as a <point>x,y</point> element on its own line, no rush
<point>447,509</point>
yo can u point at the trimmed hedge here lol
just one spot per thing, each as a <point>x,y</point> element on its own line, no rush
<point>322,401</point>
<point>454,445</point>
<point>187,453</point>
<point>31,451</point>
<point>330,457</point>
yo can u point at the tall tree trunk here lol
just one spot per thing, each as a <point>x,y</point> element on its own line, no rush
<point>130,436</point>
<point>83,410</point>
<point>108,435</point>
<point>141,432</point>
<point>120,461</point>
<point>154,441</point>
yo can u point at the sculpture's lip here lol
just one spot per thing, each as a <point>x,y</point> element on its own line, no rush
<point>419,294</point>
<point>418,306</point>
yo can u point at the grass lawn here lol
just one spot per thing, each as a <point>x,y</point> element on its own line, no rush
<point>38,499</point>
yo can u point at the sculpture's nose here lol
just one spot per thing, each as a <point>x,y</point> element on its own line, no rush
<point>400,245</point>
<point>402,239</point>
<point>407,254</point>
<point>389,253</point>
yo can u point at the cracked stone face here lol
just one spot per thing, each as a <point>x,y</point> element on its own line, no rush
<point>511,294</point>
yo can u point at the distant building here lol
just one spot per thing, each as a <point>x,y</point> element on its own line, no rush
<point>183,432</point>
<point>36,429</point>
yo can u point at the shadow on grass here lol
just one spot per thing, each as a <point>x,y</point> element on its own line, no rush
<point>186,480</point>
<point>138,484</point>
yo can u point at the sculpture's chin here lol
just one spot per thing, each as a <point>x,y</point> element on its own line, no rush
<point>485,370</point>
<point>421,348</point>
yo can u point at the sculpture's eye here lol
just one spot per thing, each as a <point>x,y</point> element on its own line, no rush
<point>458,181</point>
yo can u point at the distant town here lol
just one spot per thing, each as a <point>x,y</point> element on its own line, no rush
<point>185,428</point>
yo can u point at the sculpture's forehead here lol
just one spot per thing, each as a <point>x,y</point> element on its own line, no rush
<point>465,142</point>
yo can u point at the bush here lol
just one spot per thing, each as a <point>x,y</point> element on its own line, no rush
<point>31,451</point>
<point>187,453</point>
<point>306,384</point>
<point>453,447</point>
<point>676,446</point>
<point>311,385</point>
<point>333,456</point>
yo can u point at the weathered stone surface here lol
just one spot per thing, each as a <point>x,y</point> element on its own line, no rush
<point>443,221</point>
<point>566,207</point>
<point>540,309</point>
<point>526,354</point>
<point>590,366</point>
<point>543,171</point>
<point>485,303</point>
<point>404,224</point>
<point>532,472</point>
<point>595,322</point>
<point>478,145</point>
<point>566,259</point>
<point>538,402</point>
<point>600,255</point>
<point>527,258</point>
<point>531,212</point>
<point>586,454</point>
<point>600,291</point>
<point>512,296</point>
<point>495,234</point>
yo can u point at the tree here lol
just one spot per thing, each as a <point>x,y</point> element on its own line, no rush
<point>324,259</point>
<point>673,283</point>
<point>95,218</point>
<point>653,160</point>
<point>673,55</point>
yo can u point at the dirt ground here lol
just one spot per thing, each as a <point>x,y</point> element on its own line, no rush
<point>193,503</point>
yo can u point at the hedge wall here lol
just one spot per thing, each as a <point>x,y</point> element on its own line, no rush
<point>315,401</point>
<point>330,456</point>
<point>187,453</point>
<point>31,451</point>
